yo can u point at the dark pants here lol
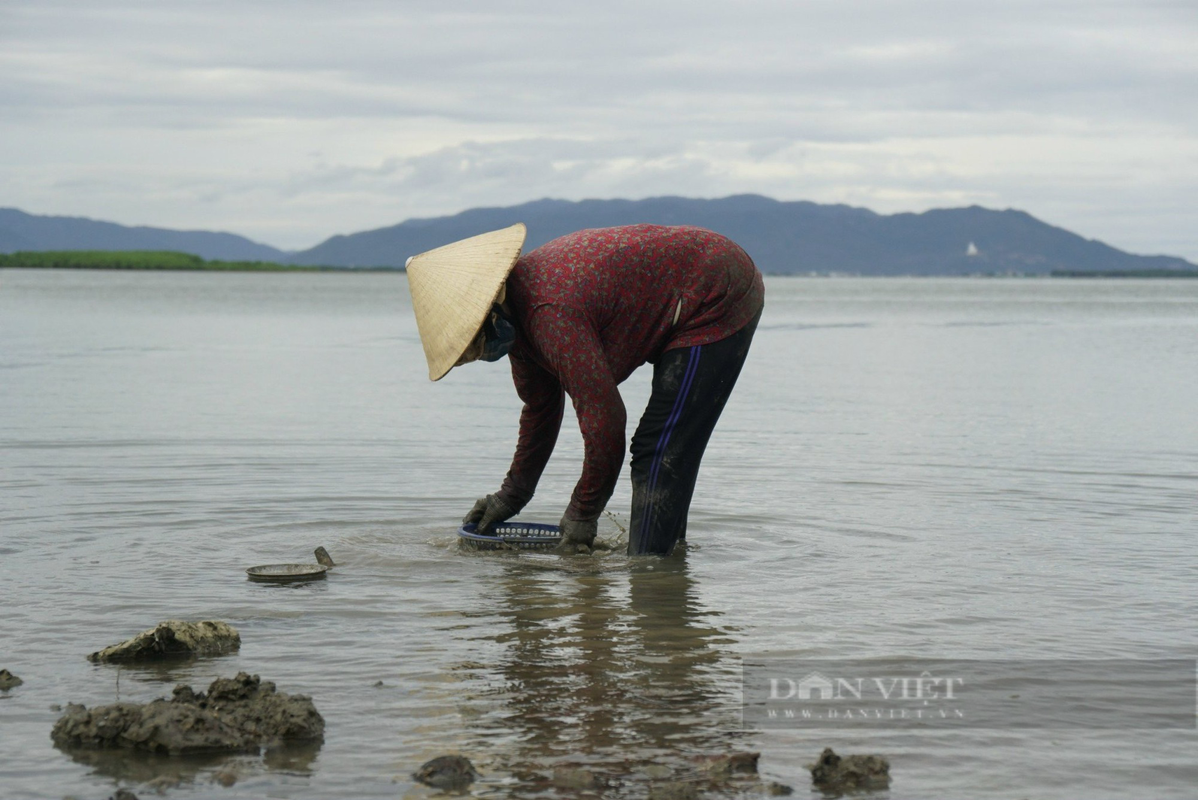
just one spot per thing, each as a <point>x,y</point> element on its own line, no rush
<point>690,387</point>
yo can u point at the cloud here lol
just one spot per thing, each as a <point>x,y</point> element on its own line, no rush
<point>290,121</point>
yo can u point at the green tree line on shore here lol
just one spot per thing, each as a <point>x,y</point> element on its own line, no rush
<point>133,259</point>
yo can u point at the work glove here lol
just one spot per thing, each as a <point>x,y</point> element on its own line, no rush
<point>578,535</point>
<point>488,511</point>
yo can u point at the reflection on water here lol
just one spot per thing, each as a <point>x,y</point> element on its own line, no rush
<point>162,772</point>
<point>170,670</point>
<point>149,769</point>
<point>621,671</point>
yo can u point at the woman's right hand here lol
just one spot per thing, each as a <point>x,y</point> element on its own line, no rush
<point>488,511</point>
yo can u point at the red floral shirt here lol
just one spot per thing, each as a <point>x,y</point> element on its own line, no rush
<point>593,306</point>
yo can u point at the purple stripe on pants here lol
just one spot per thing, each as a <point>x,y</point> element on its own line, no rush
<point>679,404</point>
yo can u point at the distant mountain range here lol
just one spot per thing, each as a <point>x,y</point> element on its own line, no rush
<point>782,237</point>
<point>21,231</point>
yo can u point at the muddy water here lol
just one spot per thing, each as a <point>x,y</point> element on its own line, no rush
<point>973,469</point>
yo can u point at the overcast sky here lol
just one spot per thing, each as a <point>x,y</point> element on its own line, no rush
<point>292,120</point>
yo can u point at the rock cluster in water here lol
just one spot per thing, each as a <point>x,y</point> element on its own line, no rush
<point>732,774</point>
<point>236,715</point>
<point>577,779</point>
<point>833,772</point>
<point>173,638</point>
<point>673,790</point>
<point>446,772</point>
<point>8,680</point>
<point>725,766</point>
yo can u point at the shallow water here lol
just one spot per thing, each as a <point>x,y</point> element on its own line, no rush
<point>982,469</point>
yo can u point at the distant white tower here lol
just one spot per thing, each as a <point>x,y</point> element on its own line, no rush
<point>972,250</point>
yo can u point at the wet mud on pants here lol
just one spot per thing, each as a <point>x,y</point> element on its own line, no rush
<point>690,388</point>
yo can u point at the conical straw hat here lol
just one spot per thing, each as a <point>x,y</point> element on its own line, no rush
<point>453,289</point>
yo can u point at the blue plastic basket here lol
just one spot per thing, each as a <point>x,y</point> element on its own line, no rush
<point>511,536</point>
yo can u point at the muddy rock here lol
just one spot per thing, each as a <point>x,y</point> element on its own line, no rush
<point>446,772</point>
<point>161,783</point>
<point>123,794</point>
<point>850,772</point>
<point>725,766</point>
<point>225,777</point>
<point>161,726</point>
<point>236,715</point>
<point>673,790</point>
<point>173,638</point>
<point>576,778</point>
<point>8,680</point>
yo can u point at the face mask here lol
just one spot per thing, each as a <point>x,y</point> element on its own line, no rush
<point>498,335</point>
